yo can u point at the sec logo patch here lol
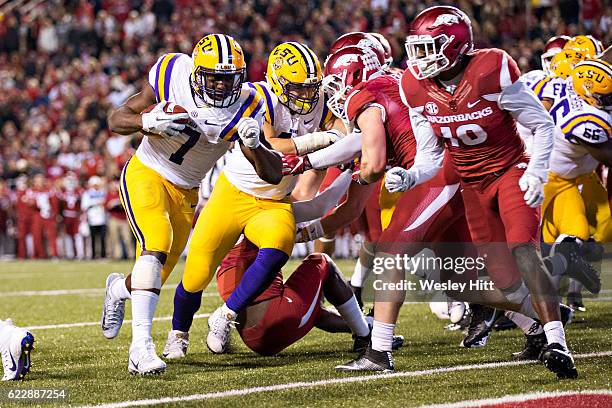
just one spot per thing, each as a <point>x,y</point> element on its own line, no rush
<point>431,108</point>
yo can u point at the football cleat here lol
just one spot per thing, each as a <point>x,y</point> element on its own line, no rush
<point>219,326</point>
<point>574,300</point>
<point>143,359</point>
<point>113,310</point>
<point>481,324</point>
<point>567,314</point>
<point>559,360</point>
<point>370,360</point>
<point>533,347</point>
<point>176,345</point>
<point>16,344</point>
<point>456,311</point>
<point>577,266</point>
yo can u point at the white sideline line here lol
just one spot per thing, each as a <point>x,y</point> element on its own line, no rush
<point>85,324</point>
<point>88,291</point>
<point>517,398</point>
<point>309,384</point>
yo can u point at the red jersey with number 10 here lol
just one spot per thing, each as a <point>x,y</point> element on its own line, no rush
<point>480,136</point>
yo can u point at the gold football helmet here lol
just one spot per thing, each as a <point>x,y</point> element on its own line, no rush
<point>563,62</point>
<point>592,80</point>
<point>585,44</point>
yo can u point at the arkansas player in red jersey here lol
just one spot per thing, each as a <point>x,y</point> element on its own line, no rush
<point>473,99</point>
<point>70,197</point>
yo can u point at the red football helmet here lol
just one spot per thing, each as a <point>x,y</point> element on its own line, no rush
<point>438,38</point>
<point>553,47</point>
<point>388,52</point>
<point>346,69</point>
<point>361,40</point>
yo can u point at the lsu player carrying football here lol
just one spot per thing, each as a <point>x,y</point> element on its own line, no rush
<point>159,184</point>
<point>295,115</point>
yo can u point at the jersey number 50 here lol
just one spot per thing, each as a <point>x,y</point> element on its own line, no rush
<point>470,134</point>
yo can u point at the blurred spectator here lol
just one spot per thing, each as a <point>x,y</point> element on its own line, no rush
<point>44,223</point>
<point>92,204</point>
<point>6,220</point>
<point>119,233</point>
<point>71,212</point>
<point>24,208</point>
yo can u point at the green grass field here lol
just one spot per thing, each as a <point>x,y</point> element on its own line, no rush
<point>94,369</point>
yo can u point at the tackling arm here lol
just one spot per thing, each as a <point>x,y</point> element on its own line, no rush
<point>373,144</point>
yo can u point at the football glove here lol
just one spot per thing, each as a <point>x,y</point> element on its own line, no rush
<point>162,123</point>
<point>294,165</point>
<point>310,232</point>
<point>398,180</point>
<point>249,131</point>
<point>315,141</point>
<point>533,187</point>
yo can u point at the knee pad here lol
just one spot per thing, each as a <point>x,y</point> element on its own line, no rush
<point>146,273</point>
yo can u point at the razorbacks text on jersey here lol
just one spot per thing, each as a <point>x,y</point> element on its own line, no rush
<point>577,120</point>
<point>185,159</point>
<point>286,125</point>
<point>480,136</point>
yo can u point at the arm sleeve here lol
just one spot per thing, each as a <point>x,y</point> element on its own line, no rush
<point>319,206</point>
<point>429,150</point>
<point>523,105</point>
<point>344,150</point>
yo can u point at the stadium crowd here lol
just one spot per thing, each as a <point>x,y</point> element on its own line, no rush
<point>64,64</point>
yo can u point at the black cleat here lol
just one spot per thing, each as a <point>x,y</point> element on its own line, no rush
<point>370,360</point>
<point>574,300</point>
<point>567,314</point>
<point>481,324</point>
<point>559,360</point>
<point>533,347</point>
<point>577,266</point>
<point>503,323</point>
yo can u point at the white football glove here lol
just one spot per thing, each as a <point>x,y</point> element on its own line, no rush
<point>159,122</point>
<point>248,131</point>
<point>534,189</point>
<point>310,232</point>
<point>398,180</point>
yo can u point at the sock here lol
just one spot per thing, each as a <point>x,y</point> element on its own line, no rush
<point>186,304</point>
<point>556,264</point>
<point>118,290</point>
<point>257,278</point>
<point>352,315</point>
<point>358,275</point>
<point>527,308</point>
<point>143,309</point>
<point>382,336</point>
<point>529,326</point>
<point>555,333</point>
<point>574,286</point>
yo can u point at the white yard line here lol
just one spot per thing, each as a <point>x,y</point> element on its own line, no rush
<point>332,381</point>
<point>85,324</point>
<point>517,398</point>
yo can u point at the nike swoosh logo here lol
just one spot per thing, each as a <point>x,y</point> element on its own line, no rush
<point>306,122</point>
<point>135,365</point>
<point>206,122</point>
<point>13,361</point>
<point>490,321</point>
<point>471,105</point>
<point>288,300</point>
<point>306,317</point>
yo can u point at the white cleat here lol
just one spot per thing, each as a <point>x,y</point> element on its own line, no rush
<point>113,310</point>
<point>219,326</point>
<point>144,361</point>
<point>16,344</point>
<point>176,345</point>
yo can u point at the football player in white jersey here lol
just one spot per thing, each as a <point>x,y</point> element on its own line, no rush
<point>159,184</point>
<point>295,118</point>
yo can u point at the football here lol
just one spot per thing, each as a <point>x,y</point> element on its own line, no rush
<point>169,107</point>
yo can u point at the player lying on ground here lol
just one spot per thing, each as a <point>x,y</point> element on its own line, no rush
<point>159,184</point>
<point>16,343</point>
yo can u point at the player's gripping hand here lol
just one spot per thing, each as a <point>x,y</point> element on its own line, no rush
<point>533,187</point>
<point>310,232</point>
<point>249,131</point>
<point>398,180</point>
<point>162,123</point>
<point>294,165</point>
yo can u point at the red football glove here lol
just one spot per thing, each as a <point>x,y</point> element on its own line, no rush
<point>294,165</point>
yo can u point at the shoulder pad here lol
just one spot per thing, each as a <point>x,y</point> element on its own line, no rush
<point>492,70</point>
<point>589,127</point>
<point>160,75</point>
